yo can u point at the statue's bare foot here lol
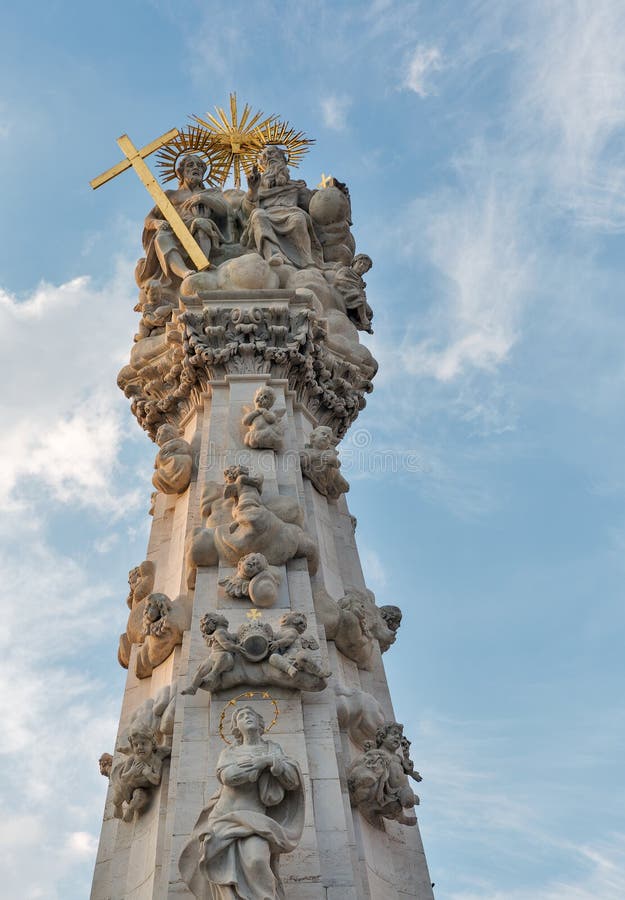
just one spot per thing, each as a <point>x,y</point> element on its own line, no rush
<point>275,260</point>
<point>191,690</point>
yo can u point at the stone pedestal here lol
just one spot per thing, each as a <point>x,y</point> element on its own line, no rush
<point>212,369</point>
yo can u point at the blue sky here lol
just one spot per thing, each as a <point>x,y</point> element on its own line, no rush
<point>483,143</point>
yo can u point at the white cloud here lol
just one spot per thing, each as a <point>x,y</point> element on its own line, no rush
<point>473,239</point>
<point>420,65</point>
<point>334,109</point>
<point>373,569</point>
<point>61,410</point>
<point>570,85</point>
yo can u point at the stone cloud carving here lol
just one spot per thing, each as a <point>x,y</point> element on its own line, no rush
<point>356,624</point>
<point>358,712</point>
<point>133,779</point>
<point>254,528</point>
<point>256,815</point>
<point>378,780</point>
<point>320,463</point>
<point>174,462</point>
<point>265,427</point>
<point>259,655</point>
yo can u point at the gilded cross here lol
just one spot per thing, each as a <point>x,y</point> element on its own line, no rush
<point>254,614</point>
<point>134,159</point>
<point>326,181</point>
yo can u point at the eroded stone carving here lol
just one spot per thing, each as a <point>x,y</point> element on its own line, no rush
<point>320,463</point>
<point>134,778</point>
<point>391,616</point>
<point>254,580</point>
<point>174,461</point>
<point>358,712</point>
<point>254,528</point>
<point>140,582</point>
<point>377,780</point>
<point>256,815</point>
<point>356,624</point>
<point>258,655</point>
<point>105,763</point>
<point>157,624</point>
<point>265,426</point>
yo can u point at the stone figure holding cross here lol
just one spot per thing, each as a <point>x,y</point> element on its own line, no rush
<point>199,207</point>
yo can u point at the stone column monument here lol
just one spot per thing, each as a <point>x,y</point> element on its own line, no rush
<point>258,754</point>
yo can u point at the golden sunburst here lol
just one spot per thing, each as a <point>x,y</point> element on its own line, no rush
<point>235,142</point>
<point>192,140</point>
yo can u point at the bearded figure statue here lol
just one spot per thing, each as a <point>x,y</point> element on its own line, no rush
<point>278,225</point>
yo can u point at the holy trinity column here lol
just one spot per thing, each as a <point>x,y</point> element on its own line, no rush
<point>258,754</point>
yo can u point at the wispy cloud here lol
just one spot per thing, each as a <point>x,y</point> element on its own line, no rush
<point>420,65</point>
<point>334,110</point>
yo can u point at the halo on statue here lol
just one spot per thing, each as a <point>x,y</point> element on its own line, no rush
<point>190,141</point>
<point>248,695</point>
<point>234,142</point>
<point>294,143</point>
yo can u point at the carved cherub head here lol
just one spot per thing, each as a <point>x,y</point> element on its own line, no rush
<point>166,433</point>
<point>210,622</point>
<point>392,616</point>
<point>251,565</point>
<point>156,608</point>
<point>191,170</point>
<point>389,735</point>
<point>231,473</point>
<point>246,720</point>
<point>296,620</point>
<point>264,398</point>
<point>105,762</point>
<point>321,437</point>
<point>142,742</point>
<point>361,263</point>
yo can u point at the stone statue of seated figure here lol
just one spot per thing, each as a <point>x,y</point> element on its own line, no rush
<point>278,225</point>
<point>198,206</point>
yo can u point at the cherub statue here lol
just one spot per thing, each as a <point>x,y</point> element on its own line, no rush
<point>254,579</point>
<point>222,647</point>
<point>378,782</point>
<point>407,763</point>
<point>291,651</point>
<point>162,626</point>
<point>174,461</point>
<point>105,762</point>
<point>265,427</point>
<point>133,779</point>
<point>349,283</point>
<point>140,582</point>
<point>156,305</point>
<point>320,463</point>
